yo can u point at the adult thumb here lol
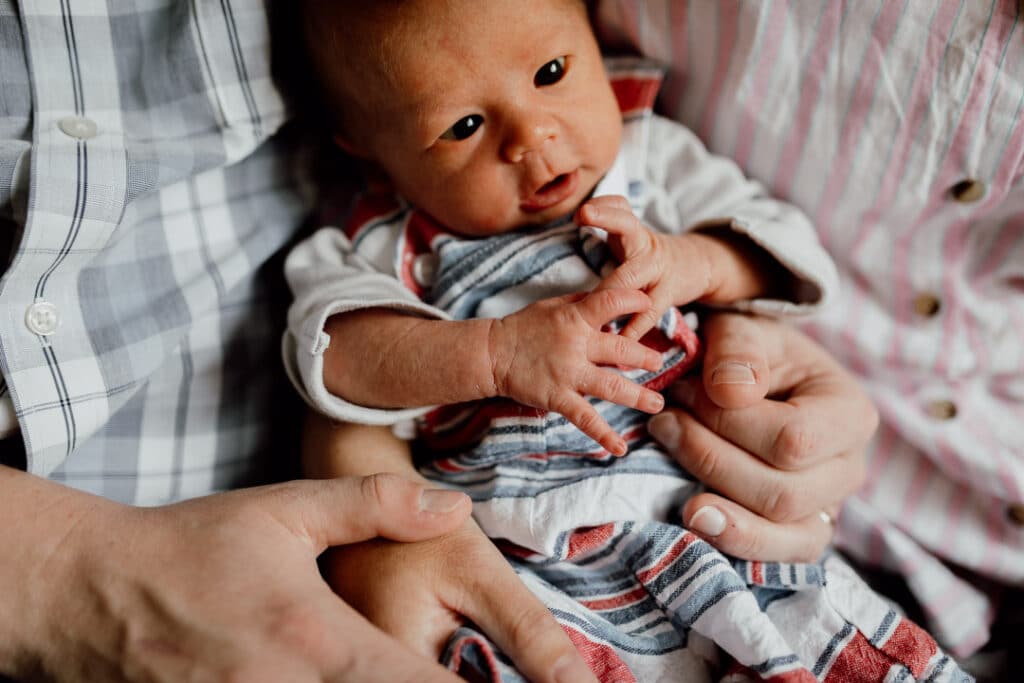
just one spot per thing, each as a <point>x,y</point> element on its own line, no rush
<point>347,510</point>
<point>736,369</point>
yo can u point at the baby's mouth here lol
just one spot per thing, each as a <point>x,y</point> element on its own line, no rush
<point>553,192</point>
<point>553,184</point>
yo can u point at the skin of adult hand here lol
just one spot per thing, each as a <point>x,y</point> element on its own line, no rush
<point>221,588</point>
<point>421,592</point>
<point>443,581</point>
<point>776,429</point>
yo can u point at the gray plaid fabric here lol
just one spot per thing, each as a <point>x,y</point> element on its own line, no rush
<point>142,188</point>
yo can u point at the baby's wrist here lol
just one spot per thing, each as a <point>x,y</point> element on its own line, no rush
<point>736,268</point>
<point>498,359</point>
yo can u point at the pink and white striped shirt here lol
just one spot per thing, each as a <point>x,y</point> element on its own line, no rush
<point>898,127</point>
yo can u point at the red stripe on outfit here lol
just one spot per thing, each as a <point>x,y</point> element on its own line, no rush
<point>601,659</point>
<point>583,541</point>
<point>648,575</point>
<point>630,597</point>
<point>369,207</point>
<point>910,646</point>
<point>636,94</point>
<point>859,661</point>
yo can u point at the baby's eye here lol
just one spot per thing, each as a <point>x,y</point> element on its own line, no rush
<point>463,128</point>
<point>550,73</point>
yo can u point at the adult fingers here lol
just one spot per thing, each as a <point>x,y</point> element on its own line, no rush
<point>802,431</point>
<point>822,413</point>
<point>505,609</point>
<point>333,512</point>
<point>741,533</point>
<point>781,496</point>
<point>735,369</point>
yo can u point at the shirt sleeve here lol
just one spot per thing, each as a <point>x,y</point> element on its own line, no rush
<point>688,188</point>
<point>327,276</point>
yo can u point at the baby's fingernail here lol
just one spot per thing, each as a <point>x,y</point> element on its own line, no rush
<point>440,501</point>
<point>665,428</point>
<point>732,372</point>
<point>708,521</point>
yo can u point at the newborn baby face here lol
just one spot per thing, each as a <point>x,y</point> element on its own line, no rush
<point>492,115</point>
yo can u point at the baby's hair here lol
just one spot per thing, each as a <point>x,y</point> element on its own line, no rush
<point>344,41</point>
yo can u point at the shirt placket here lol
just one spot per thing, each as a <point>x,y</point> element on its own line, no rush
<point>76,194</point>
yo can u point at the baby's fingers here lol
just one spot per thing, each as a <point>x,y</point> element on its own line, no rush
<point>600,308</point>
<point>613,349</point>
<point>612,214</point>
<point>611,386</point>
<point>635,274</point>
<point>578,411</point>
<point>642,323</point>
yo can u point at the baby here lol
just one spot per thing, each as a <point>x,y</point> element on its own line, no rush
<point>522,201</point>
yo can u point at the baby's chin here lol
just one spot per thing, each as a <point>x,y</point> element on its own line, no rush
<point>516,220</point>
<point>521,222</point>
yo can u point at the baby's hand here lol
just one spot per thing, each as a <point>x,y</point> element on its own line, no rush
<point>550,355</point>
<point>672,270</point>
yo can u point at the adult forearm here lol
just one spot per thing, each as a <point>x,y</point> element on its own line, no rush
<point>39,520</point>
<point>383,359</point>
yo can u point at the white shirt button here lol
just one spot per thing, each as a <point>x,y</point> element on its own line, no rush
<point>41,318</point>
<point>77,127</point>
<point>424,269</point>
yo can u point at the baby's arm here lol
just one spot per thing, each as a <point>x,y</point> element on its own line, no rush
<point>548,355</point>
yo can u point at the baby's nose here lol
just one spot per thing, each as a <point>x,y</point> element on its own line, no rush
<point>529,134</point>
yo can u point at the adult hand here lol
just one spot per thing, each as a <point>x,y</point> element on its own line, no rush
<point>776,429</point>
<point>218,588</point>
<point>421,592</point>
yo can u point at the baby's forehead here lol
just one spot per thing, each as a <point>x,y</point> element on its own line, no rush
<point>409,54</point>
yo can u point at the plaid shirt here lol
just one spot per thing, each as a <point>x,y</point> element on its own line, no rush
<point>142,193</point>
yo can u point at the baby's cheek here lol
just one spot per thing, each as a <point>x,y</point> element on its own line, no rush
<point>486,206</point>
